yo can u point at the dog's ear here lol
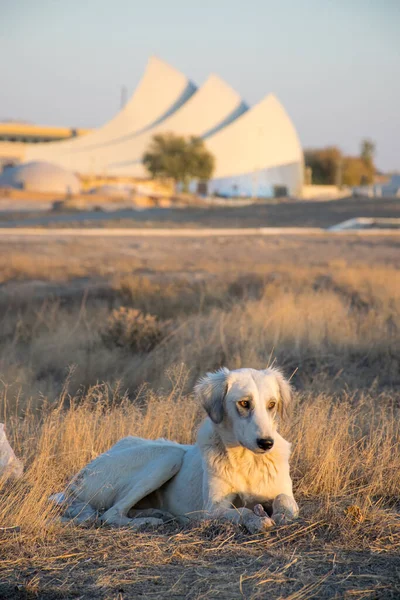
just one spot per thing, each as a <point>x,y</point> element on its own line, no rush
<point>285,394</point>
<point>212,389</point>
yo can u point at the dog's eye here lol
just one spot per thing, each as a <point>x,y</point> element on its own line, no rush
<point>271,405</point>
<point>244,404</point>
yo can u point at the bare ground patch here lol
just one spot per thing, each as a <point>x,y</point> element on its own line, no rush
<point>207,562</point>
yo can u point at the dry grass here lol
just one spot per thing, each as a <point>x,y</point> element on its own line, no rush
<point>347,481</point>
<point>338,330</point>
<point>337,324</point>
<point>343,450</point>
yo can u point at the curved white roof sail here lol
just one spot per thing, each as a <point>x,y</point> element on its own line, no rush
<point>161,91</point>
<point>214,105</point>
<point>263,137</point>
<point>261,145</point>
<point>255,149</point>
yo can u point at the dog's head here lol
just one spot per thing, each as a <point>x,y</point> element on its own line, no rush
<point>244,404</point>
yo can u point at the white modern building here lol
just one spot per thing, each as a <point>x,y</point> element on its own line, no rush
<point>256,149</point>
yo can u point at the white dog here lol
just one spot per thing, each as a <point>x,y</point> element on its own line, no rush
<point>238,463</point>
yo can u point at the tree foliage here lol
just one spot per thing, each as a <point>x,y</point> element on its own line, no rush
<point>330,167</point>
<point>182,159</point>
<point>367,153</point>
<point>325,163</point>
<point>356,171</point>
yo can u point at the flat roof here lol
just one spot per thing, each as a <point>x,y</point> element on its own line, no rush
<point>12,128</point>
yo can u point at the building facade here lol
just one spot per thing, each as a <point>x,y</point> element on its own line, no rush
<point>257,151</point>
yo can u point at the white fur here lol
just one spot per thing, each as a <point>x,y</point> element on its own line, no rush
<point>224,475</point>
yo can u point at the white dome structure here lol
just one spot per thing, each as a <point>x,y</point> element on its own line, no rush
<point>40,176</point>
<point>256,149</point>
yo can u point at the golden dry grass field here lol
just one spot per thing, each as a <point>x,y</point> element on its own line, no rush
<point>100,338</point>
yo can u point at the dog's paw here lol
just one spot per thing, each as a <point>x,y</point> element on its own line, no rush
<point>282,518</point>
<point>267,523</point>
<point>113,518</point>
<point>284,509</point>
<point>140,522</point>
<point>256,524</point>
<point>259,511</point>
<point>155,513</point>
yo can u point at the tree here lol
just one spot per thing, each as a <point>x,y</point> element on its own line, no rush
<point>367,153</point>
<point>356,172</point>
<point>182,159</point>
<point>367,156</point>
<point>325,164</point>
<point>330,167</point>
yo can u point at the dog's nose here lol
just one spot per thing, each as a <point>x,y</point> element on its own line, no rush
<point>265,443</point>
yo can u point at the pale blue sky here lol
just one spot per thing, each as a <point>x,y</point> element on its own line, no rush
<point>334,64</point>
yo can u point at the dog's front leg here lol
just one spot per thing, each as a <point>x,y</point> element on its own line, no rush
<point>284,509</point>
<point>219,504</point>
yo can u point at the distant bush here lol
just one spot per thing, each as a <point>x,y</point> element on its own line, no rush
<point>132,329</point>
<point>329,166</point>
<point>324,163</point>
